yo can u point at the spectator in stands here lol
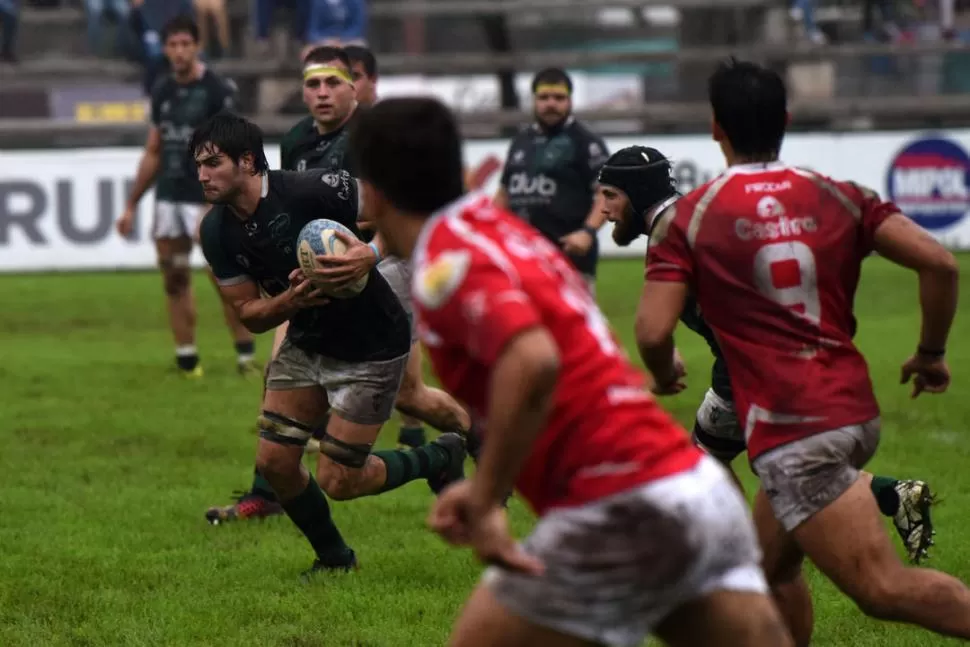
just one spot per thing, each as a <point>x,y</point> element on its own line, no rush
<point>263,20</point>
<point>97,11</point>
<point>214,12</point>
<point>337,22</point>
<point>9,19</point>
<point>805,10</point>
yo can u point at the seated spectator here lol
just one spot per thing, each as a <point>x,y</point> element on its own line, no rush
<point>337,22</point>
<point>262,17</point>
<point>97,11</point>
<point>9,19</point>
<point>214,13</point>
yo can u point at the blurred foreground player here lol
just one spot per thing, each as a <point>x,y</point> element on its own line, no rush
<point>635,192</point>
<point>343,356</point>
<point>181,101</point>
<point>773,254</point>
<point>639,532</point>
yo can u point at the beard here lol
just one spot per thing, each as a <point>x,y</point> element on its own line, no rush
<point>628,228</point>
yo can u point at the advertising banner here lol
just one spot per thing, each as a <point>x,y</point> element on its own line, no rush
<point>57,208</point>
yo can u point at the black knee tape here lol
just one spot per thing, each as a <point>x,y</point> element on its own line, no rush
<point>346,454</point>
<point>282,430</point>
<point>723,449</point>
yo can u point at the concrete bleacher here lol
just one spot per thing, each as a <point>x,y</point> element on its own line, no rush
<point>837,84</point>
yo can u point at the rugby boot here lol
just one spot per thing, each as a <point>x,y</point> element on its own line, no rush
<point>912,520</point>
<point>454,444</point>
<point>319,566</point>
<point>248,505</point>
<point>194,374</point>
<point>248,367</point>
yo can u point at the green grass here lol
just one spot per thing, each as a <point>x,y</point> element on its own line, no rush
<point>109,460</point>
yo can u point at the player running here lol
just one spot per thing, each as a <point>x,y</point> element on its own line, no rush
<point>635,188</point>
<point>180,101</point>
<point>342,356</point>
<point>550,171</point>
<point>772,254</point>
<point>639,531</point>
<point>332,85</point>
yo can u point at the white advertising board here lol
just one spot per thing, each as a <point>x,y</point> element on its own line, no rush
<point>57,208</point>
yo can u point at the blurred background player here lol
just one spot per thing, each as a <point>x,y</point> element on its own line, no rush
<point>181,100</point>
<point>639,532</point>
<point>635,190</point>
<point>319,141</point>
<point>342,360</point>
<point>772,253</point>
<point>550,171</point>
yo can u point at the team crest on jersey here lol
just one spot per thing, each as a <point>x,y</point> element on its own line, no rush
<point>301,165</point>
<point>770,207</point>
<point>330,179</point>
<point>436,282</point>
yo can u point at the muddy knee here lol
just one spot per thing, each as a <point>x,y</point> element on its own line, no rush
<point>175,274</point>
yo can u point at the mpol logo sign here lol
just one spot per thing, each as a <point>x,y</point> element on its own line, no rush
<point>929,180</point>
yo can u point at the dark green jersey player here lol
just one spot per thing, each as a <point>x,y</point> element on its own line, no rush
<point>550,170</point>
<point>345,357</point>
<point>638,195</point>
<point>319,140</point>
<point>180,101</point>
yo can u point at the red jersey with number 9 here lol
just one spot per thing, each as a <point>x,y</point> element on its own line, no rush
<point>481,277</point>
<point>773,255</point>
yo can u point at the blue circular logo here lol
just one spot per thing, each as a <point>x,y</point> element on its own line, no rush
<point>929,180</point>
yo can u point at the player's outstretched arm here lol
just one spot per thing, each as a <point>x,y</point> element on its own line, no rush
<point>520,397</point>
<point>657,314</point>
<point>147,172</point>
<point>905,243</point>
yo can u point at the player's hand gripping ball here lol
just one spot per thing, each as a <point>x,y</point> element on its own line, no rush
<point>318,238</point>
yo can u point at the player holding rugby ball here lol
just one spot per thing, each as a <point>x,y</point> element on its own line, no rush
<point>345,356</point>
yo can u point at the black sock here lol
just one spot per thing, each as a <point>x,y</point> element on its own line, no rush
<point>246,350</point>
<point>311,514</point>
<point>186,360</point>
<point>404,466</point>
<point>262,487</point>
<point>411,436</point>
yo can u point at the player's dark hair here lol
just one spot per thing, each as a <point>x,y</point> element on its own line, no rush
<point>409,148</point>
<point>552,76</point>
<point>362,55</point>
<point>750,104</point>
<point>234,136</point>
<point>182,24</point>
<point>327,54</point>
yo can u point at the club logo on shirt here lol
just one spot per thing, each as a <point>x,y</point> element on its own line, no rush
<point>301,165</point>
<point>330,179</point>
<point>435,282</point>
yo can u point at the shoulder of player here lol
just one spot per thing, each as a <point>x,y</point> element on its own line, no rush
<point>581,131</point>
<point>220,81</point>
<point>299,130</point>
<point>848,188</point>
<point>211,226</point>
<point>163,87</point>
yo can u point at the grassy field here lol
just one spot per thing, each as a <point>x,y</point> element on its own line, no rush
<point>109,460</point>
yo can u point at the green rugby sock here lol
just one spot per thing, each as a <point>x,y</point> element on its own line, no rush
<point>884,489</point>
<point>311,514</point>
<point>262,487</point>
<point>404,466</point>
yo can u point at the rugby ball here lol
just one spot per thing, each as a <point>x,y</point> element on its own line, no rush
<point>318,238</point>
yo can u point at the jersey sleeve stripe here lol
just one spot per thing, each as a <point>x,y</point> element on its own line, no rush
<point>695,219</point>
<point>233,280</point>
<point>832,189</point>
<point>491,250</point>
